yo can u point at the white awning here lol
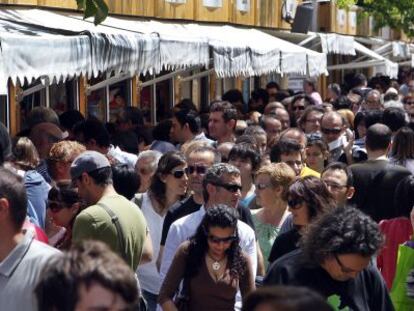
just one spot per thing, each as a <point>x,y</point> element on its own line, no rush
<point>381,64</point>
<point>235,51</point>
<point>57,45</point>
<point>332,43</point>
<point>329,43</point>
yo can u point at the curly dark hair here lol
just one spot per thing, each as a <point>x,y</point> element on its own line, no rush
<point>167,163</point>
<point>314,193</point>
<point>220,216</point>
<point>344,230</point>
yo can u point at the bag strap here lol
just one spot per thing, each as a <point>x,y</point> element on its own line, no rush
<point>120,235</point>
<point>138,198</point>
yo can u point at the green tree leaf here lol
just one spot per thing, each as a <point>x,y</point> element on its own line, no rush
<point>94,8</point>
<point>397,14</point>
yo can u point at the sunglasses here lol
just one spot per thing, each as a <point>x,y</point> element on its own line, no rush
<point>229,187</point>
<point>330,131</point>
<point>179,174</point>
<point>294,203</point>
<point>199,169</point>
<point>298,108</point>
<point>262,186</point>
<point>55,207</point>
<point>409,103</point>
<point>216,240</point>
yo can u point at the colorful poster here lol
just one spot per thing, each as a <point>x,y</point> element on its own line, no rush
<point>213,3</point>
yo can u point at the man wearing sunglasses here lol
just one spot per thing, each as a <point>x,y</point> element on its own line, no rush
<point>335,259</point>
<point>334,135</point>
<point>199,161</point>
<point>221,185</point>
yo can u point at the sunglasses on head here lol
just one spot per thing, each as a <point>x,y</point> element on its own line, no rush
<point>216,240</point>
<point>178,173</point>
<point>229,187</point>
<point>294,203</point>
<point>199,169</point>
<point>330,131</point>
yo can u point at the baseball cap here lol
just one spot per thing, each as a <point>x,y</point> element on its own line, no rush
<point>87,162</point>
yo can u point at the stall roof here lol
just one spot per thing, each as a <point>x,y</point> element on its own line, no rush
<point>329,43</point>
<point>332,43</point>
<point>54,44</point>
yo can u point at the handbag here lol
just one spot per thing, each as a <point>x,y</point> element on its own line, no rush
<point>182,300</point>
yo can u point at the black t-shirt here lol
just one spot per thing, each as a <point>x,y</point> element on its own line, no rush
<point>284,243</point>
<point>179,209</point>
<point>367,292</point>
<point>187,206</point>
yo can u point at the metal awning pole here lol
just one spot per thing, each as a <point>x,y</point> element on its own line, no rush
<point>356,65</point>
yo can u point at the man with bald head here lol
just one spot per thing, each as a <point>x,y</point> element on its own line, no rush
<point>273,128</point>
<point>270,107</point>
<point>375,180</point>
<point>333,134</point>
<point>283,116</point>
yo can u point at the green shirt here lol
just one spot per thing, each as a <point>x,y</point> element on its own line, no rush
<point>94,223</point>
<point>266,234</point>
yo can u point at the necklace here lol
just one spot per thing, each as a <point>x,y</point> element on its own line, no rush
<point>216,265</point>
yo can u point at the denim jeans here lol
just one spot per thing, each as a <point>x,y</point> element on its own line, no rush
<point>151,300</point>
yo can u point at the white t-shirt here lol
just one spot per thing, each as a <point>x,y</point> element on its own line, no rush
<point>148,275</point>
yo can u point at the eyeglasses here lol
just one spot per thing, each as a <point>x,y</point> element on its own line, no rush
<point>216,240</point>
<point>409,103</point>
<point>55,207</point>
<point>344,269</point>
<point>330,131</point>
<point>229,187</point>
<point>334,186</point>
<point>295,203</point>
<point>199,169</point>
<point>179,173</point>
<point>262,186</point>
<point>296,108</point>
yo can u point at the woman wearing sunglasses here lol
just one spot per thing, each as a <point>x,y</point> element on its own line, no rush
<point>168,185</point>
<point>308,198</point>
<point>64,204</point>
<point>272,184</point>
<point>211,265</point>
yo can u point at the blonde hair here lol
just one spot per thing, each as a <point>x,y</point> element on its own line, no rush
<point>64,150</point>
<point>25,154</point>
<point>191,145</point>
<point>280,174</point>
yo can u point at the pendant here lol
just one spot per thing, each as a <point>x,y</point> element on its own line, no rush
<point>216,266</point>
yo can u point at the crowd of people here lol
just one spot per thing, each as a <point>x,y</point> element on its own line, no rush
<point>287,202</point>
